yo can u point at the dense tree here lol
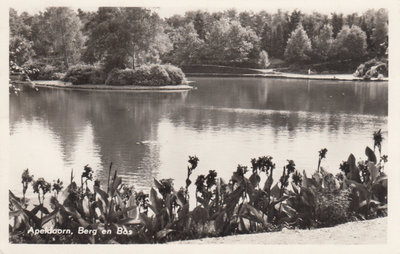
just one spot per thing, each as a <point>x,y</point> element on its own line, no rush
<point>63,29</point>
<point>322,43</point>
<point>280,35</point>
<point>379,37</point>
<point>199,25</point>
<point>313,23</point>
<point>230,42</point>
<point>120,37</point>
<point>295,19</point>
<point>367,25</point>
<point>20,50</point>
<point>350,43</point>
<point>20,47</point>
<point>176,21</point>
<point>337,22</point>
<point>259,20</point>
<point>186,45</point>
<point>267,38</point>
<point>18,27</point>
<point>129,37</point>
<point>352,19</point>
<point>202,21</point>
<point>298,47</point>
<point>246,19</point>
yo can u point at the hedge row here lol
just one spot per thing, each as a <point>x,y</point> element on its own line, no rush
<point>146,75</point>
<point>43,71</point>
<point>85,74</point>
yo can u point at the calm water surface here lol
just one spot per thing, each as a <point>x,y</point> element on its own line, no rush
<point>225,122</point>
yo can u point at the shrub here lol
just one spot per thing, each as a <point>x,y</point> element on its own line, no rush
<point>176,75</point>
<point>120,77</point>
<point>147,75</point>
<point>372,69</point>
<point>43,71</point>
<point>332,207</point>
<point>85,74</point>
<point>159,76</point>
<point>263,60</point>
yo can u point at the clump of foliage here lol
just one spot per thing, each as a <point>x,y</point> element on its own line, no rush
<point>263,59</point>
<point>244,204</point>
<point>43,71</point>
<point>350,43</point>
<point>298,46</point>
<point>85,74</point>
<point>373,68</point>
<point>147,75</point>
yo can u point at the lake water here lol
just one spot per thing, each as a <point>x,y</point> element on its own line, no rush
<point>225,122</point>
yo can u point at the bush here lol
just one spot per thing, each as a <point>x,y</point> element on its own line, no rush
<point>85,74</point>
<point>175,74</point>
<point>332,207</point>
<point>43,71</point>
<point>373,68</point>
<point>159,76</point>
<point>263,60</point>
<point>120,77</point>
<point>147,75</point>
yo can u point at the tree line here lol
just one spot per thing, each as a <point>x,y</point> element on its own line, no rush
<point>128,37</point>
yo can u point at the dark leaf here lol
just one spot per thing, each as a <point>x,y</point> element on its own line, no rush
<point>296,189</point>
<point>289,211</point>
<point>370,154</point>
<point>268,183</point>
<point>117,182</point>
<point>49,217</point>
<point>156,203</point>
<point>200,214</point>
<point>159,185</point>
<point>243,227</point>
<point>354,173</point>
<point>254,179</point>
<point>373,171</point>
<point>132,203</point>
<point>275,192</point>
<point>360,187</point>
<point>102,194</point>
<point>220,222</point>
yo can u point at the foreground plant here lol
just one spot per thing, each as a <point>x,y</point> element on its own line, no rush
<point>117,213</point>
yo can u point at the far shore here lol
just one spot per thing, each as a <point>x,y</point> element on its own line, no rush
<point>186,87</point>
<point>283,75</point>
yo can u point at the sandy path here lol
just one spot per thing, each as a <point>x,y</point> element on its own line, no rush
<point>362,232</point>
